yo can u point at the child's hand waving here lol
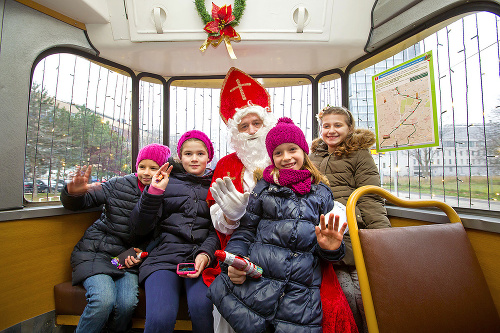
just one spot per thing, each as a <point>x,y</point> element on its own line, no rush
<point>330,237</point>
<point>79,182</point>
<point>160,178</point>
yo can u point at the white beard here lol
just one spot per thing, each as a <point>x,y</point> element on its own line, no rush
<point>251,149</point>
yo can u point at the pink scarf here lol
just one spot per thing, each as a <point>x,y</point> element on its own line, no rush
<point>298,181</point>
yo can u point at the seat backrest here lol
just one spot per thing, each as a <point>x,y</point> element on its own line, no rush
<point>427,279</point>
<point>422,278</point>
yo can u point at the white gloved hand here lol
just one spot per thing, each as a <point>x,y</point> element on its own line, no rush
<point>232,203</point>
<point>340,210</point>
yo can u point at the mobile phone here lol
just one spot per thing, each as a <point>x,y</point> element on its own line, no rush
<point>186,268</point>
<point>124,255</point>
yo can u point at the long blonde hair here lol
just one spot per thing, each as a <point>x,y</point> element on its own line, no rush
<point>346,146</point>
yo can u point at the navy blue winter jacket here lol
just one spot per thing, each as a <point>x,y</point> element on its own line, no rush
<point>180,217</point>
<point>277,233</point>
<point>110,235</point>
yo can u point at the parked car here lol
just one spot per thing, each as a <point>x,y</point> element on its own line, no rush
<point>40,185</point>
<point>57,186</point>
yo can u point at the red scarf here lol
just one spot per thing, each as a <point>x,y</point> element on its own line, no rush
<point>141,185</point>
<point>337,315</point>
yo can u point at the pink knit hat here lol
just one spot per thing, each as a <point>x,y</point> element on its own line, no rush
<point>285,131</point>
<point>194,134</point>
<point>155,152</point>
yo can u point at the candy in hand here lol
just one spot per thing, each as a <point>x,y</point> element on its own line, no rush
<point>160,177</point>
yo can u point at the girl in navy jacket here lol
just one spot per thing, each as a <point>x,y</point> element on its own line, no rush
<point>280,233</point>
<point>112,293</point>
<point>180,216</point>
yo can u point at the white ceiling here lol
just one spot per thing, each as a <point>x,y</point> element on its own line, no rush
<point>334,34</point>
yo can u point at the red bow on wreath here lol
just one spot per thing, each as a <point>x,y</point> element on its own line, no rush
<point>220,29</point>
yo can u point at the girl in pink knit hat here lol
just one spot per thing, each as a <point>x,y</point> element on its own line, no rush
<point>284,231</point>
<point>111,291</point>
<point>175,206</point>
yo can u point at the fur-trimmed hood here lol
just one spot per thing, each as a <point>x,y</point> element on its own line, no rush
<point>360,139</point>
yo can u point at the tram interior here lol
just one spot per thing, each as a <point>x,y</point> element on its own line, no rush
<point>132,72</point>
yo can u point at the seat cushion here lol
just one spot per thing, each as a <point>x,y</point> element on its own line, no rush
<point>427,279</point>
<point>70,300</point>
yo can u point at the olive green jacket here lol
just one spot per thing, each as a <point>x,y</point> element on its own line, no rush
<point>346,174</point>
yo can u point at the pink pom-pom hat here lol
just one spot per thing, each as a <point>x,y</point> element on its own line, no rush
<point>285,131</point>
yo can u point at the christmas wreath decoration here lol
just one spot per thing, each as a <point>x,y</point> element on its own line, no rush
<point>220,25</point>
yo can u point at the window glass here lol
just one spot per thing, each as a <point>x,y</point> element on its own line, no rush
<point>198,108</point>
<point>330,91</point>
<point>79,114</point>
<point>466,74</point>
<point>150,111</point>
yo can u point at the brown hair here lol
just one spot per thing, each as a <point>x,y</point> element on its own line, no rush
<point>346,146</point>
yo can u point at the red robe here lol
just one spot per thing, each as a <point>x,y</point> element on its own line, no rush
<point>228,166</point>
<point>337,316</point>
<point>232,167</point>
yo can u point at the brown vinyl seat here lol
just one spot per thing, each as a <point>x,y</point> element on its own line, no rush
<point>420,278</point>
<point>70,302</point>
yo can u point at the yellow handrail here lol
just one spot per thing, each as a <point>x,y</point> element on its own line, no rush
<point>371,319</point>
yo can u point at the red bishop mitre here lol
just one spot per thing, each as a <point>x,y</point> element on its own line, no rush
<point>240,90</point>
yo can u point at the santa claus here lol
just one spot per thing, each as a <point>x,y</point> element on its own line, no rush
<point>244,108</point>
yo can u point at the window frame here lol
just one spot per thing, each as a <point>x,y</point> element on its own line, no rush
<point>120,69</point>
<point>404,41</point>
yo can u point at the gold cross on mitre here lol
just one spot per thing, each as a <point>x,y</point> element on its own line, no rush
<point>240,87</point>
<point>229,175</point>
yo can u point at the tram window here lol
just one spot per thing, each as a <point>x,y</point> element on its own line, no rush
<point>79,114</point>
<point>330,91</point>
<point>466,75</point>
<point>197,107</point>
<point>150,111</point>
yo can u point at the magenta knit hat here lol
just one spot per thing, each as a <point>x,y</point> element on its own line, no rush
<point>155,152</point>
<point>285,131</point>
<point>194,134</point>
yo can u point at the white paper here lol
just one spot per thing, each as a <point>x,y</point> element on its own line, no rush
<point>340,210</point>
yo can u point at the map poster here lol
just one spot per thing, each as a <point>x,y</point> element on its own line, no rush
<point>405,108</point>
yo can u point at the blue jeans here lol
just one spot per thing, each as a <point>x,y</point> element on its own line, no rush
<point>111,301</point>
<point>163,289</point>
